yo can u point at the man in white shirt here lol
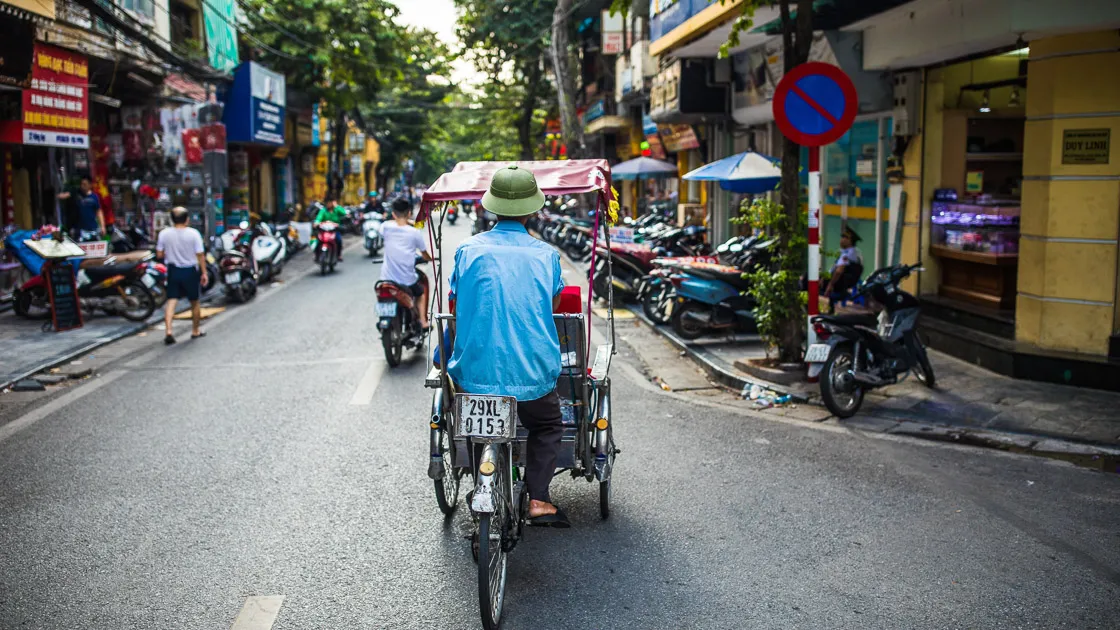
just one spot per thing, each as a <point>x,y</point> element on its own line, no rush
<point>403,242</point>
<point>180,248</point>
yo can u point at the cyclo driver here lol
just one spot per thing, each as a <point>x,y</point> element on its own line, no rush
<point>505,287</point>
<point>333,213</point>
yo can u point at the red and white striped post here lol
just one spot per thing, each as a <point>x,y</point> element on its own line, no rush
<point>814,238</point>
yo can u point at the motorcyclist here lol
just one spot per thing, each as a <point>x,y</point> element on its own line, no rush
<point>334,213</point>
<point>373,204</point>
<point>403,241</point>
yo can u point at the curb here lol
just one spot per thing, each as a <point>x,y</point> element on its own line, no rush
<point>1082,453</point>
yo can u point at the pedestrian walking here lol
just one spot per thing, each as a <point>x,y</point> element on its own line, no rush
<point>180,248</point>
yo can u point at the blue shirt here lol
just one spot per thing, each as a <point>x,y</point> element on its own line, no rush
<point>88,205</point>
<point>505,335</point>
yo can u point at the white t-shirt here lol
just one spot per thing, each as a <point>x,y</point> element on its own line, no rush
<point>180,246</point>
<point>402,242</point>
<point>849,256</point>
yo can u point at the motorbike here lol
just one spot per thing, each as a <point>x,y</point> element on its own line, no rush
<point>131,238</point>
<point>269,251</point>
<point>398,319</point>
<point>327,237</point>
<point>371,229</point>
<point>155,278</point>
<point>236,264</point>
<point>452,214</point>
<point>858,352</point>
<point>713,298</point>
<point>632,262</point>
<point>483,222</point>
<point>116,289</point>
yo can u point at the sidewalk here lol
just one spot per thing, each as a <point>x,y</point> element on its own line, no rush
<point>28,349</point>
<point>966,396</point>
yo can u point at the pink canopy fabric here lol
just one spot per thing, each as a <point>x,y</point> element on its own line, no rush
<point>470,180</point>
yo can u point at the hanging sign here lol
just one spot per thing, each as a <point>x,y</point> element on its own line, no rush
<point>815,104</point>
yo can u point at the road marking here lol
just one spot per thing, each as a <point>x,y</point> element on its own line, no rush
<point>30,418</point>
<point>258,613</point>
<point>368,385</point>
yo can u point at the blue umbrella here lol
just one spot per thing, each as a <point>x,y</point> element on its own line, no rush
<point>748,172</point>
<point>643,168</point>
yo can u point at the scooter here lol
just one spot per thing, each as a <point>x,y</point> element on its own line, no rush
<point>371,228</point>
<point>238,268</point>
<point>327,237</point>
<point>452,215</point>
<point>269,251</point>
<point>713,297</point>
<point>858,352</point>
<point>398,319</point>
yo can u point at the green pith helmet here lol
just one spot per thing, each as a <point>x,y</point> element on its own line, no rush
<point>513,193</point>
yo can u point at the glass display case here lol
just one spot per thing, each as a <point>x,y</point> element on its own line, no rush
<point>989,227</point>
<point>976,242</point>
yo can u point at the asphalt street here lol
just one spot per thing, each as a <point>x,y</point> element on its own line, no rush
<point>280,456</point>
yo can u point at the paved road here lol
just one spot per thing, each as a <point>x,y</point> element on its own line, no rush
<point>280,457</point>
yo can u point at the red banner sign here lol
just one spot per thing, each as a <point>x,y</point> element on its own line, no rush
<point>56,106</point>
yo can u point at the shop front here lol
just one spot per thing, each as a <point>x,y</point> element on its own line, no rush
<point>255,118</point>
<point>1012,182</point>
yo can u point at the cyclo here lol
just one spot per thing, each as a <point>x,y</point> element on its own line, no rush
<point>480,435</point>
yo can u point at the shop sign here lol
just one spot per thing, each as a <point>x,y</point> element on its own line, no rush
<point>611,28</point>
<point>55,104</point>
<point>315,125</point>
<point>9,189</point>
<point>594,111</point>
<point>622,235</point>
<point>1086,146</point>
<point>678,138</point>
<point>255,105</point>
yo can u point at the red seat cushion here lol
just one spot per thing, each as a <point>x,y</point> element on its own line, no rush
<point>571,300</point>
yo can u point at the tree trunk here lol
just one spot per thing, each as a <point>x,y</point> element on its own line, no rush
<point>525,120</point>
<point>796,40</point>
<point>565,80</point>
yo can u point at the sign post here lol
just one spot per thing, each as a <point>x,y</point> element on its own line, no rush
<point>814,105</point>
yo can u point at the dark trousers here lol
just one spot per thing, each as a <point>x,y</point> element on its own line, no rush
<point>541,418</point>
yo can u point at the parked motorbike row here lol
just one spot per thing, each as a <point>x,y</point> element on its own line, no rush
<point>132,284</point>
<point>679,280</point>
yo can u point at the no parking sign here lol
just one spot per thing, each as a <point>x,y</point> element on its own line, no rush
<point>814,105</point>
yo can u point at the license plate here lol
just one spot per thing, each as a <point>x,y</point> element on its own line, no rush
<point>148,281</point>
<point>818,353</point>
<point>486,416</point>
<point>233,277</point>
<point>386,309</point>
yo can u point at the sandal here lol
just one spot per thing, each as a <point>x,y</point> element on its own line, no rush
<point>169,339</point>
<point>201,334</point>
<point>559,520</point>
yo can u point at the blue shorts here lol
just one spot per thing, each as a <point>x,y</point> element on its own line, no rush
<point>183,283</point>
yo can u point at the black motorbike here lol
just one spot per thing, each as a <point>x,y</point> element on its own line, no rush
<point>858,352</point>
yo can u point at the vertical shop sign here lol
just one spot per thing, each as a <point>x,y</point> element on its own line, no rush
<point>219,17</point>
<point>56,106</point>
<point>9,189</point>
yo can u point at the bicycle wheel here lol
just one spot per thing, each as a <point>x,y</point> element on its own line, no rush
<point>492,530</point>
<point>447,487</point>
